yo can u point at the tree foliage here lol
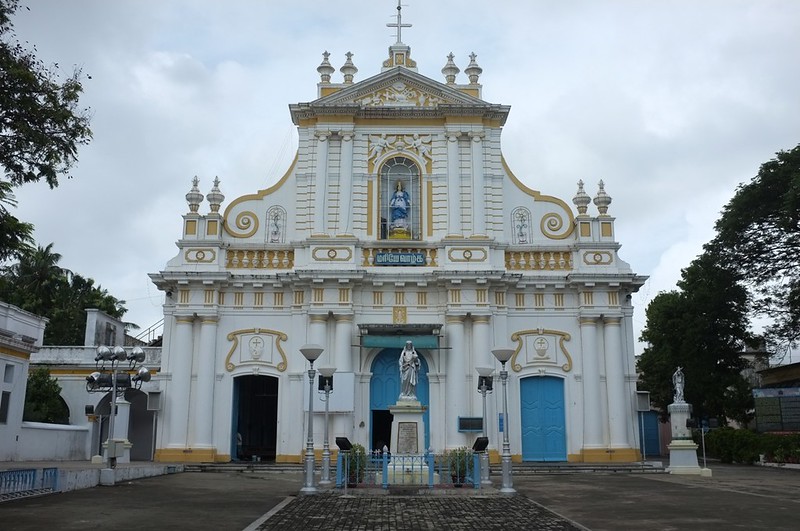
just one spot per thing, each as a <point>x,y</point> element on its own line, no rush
<point>758,236</point>
<point>41,127</point>
<point>38,284</point>
<point>43,402</point>
<point>702,327</point>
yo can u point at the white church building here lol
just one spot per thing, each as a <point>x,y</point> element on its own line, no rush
<point>398,220</point>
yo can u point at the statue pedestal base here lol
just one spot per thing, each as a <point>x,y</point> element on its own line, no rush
<point>682,450</point>
<point>408,428</point>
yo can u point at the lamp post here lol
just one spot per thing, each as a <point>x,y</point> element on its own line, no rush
<point>109,378</point>
<point>484,388</point>
<point>326,386</point>
<point>311,353</point>
<point>503,355</point>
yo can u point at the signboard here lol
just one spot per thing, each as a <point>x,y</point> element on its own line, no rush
<point>777,409</point>
<point>399,259</point>
<point>407,437</point>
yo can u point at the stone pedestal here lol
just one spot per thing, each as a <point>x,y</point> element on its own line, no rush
<point>682,450</point>
<point>408,428</point>
<point>408,439</point>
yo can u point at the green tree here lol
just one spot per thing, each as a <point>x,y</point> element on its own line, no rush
<point>703,329</point>
<point>758,235</point>
<point>41,124</point>
<point>43,402</point>
<point>41,127</point>
<point>38,284</point>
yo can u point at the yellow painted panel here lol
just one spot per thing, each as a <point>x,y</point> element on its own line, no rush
<point>185,455</point>
<point>191,227</point>
<point>326,91</point>
<point>288,458</point>
<point>606,229</point>
<point>211,227</point>
<point>586,229</point>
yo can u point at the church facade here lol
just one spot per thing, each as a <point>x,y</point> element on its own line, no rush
<point>397,221</point>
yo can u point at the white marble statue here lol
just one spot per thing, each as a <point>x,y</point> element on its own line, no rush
<point>677,382</point>
<point>409,372</point>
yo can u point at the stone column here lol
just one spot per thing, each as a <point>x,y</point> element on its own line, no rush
<point>478,186</point>
<point>615,384</point>
<point>177,394</point>
<point>121,427</point>
<point>318,334</point>
<point>346,185</point>
<point>453,187</point>
<point>455,388</point>
<point>344,350</point>
<point>343,422</point>
<point>204,386</point>
<point>321,184</point>
<point>592,427</point>
<point>481,352</point>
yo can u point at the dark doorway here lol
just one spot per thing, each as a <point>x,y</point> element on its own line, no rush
<point>255,403</point>
<point>381,429</point>
<point>140,425</point>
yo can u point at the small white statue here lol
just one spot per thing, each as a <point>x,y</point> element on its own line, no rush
<point>677,383</point>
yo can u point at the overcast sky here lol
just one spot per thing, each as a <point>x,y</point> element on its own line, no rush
<point>672,104</point>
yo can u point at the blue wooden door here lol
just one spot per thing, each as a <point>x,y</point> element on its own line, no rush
<point>384,385</point>
<point>542,424</point>
<point>648,433</point>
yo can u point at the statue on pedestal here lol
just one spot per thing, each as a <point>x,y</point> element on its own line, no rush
<point>677,383</point>
<point>409,372</point>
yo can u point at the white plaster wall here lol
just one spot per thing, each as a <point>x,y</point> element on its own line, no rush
<point>52,442</point>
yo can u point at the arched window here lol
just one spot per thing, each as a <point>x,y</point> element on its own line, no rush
<point>521,225</point>
<point>400,192</point>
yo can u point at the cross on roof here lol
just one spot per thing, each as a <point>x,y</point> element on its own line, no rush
<point>399,24</point>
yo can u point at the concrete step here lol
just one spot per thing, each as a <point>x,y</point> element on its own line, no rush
<point>651,467</point>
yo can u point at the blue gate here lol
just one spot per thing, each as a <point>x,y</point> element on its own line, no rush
<point>542,425</point>
<point>384,385</point>
<point>648,433</point>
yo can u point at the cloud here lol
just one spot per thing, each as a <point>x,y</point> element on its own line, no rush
<point>671,104</point>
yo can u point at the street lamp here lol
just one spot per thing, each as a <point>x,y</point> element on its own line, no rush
<point>109,378</point>
<point>484,388</point>
<point>311,353</point>
<point>503,355</point>
<point>326,386</point>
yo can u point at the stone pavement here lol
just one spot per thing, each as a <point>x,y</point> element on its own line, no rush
<point>413,513</point>
<point>736,497</point>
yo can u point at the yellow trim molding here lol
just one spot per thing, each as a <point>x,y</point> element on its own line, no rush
<point>186,455</point>
<point>242,222</point>
<point>279,336</point>
<point>552,223</point>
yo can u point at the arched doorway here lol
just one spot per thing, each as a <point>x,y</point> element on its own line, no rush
<point>254,430</point>
<point>384,389</point>
<point>543,425</point>
<point>140,425</point>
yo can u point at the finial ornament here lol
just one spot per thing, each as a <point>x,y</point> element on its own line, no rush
<point>602,199</point>
<point>194,197</point>
<point>450,70</point>
<point>215,197</point>
<point>581,199</point>
<point>325,69</point>
<point>399,24</point>
<point>472,70</point>
<point>348,69</point>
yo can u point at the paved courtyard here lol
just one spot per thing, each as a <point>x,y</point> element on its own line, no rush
<point>736,497</point>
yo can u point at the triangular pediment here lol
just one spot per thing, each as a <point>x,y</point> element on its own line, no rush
<point>399,88</point>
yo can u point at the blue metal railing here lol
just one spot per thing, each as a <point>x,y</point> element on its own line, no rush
<point>13,481</point>
<point>27,482</point>
<point>382,469</point>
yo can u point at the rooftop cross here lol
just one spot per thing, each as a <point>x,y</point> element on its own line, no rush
<point>399,24</point>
